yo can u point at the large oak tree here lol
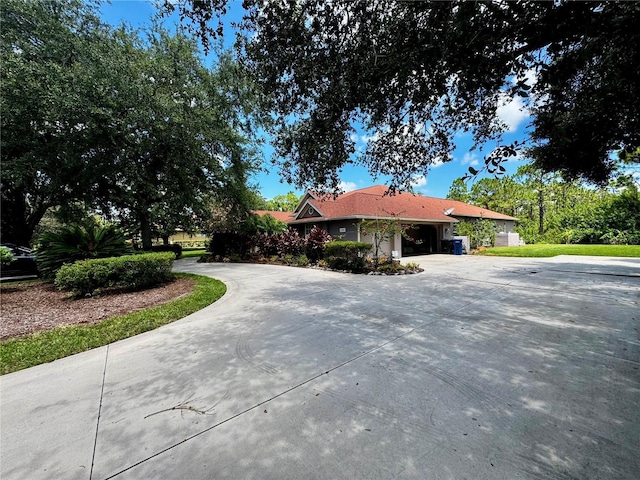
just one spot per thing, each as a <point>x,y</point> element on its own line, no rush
<point>416,73</point>
<point>134,126</point>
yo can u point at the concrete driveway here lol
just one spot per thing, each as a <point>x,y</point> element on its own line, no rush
<point>478,368</point>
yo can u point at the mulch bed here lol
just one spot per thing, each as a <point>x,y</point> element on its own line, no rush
<point>31,307</point>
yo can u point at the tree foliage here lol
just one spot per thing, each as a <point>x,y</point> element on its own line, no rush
<point>382,230</point>
<point>283,203</point>
<point>51,53</point>
<point>481,232</point>
<point>134,126</point>
<point>551,209</point>
<point>415,73</point>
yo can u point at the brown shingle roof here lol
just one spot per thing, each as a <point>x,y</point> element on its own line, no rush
<point>372,202</point>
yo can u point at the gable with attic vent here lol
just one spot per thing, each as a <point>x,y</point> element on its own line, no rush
<point>308,211</point>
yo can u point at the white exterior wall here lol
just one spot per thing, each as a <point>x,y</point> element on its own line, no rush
<point>507,240</point>
<point>465,242</point>
<point>386,247</point>
<point>505,226</point>
<point>447,231</point>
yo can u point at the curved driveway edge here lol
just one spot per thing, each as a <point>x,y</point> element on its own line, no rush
<point>480,367</point>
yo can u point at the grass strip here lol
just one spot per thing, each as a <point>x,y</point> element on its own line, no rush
<point>42,347</point>
<point>552,250</point>
<point>193,253</point>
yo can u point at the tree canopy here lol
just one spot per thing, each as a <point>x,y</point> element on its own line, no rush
<point>134,126</point>
<point>550,209</point>
<point>416,73</point>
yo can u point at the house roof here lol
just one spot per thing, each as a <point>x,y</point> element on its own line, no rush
<point>375,202</point>
<point>278,215</point>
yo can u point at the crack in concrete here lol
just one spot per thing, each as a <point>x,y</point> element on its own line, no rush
<point>295,387</point>
<point>95,440</point>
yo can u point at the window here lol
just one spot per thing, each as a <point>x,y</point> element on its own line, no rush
<point>307,228</point>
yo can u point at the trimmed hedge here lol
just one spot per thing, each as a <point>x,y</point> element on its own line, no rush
<point>346,255</point>
<point>133,272</point>
<point>176,248</point>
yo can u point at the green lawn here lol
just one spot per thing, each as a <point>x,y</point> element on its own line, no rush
<point>42,347</point>
<point>193,253</point>
<point>548,250</point>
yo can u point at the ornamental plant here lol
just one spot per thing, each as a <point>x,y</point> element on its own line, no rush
<point>290,243</point>
<point>382,230</point>
<point>316,241</point>
<point>78,242</point>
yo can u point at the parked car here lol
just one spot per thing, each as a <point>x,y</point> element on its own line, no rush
<point>23,264</point>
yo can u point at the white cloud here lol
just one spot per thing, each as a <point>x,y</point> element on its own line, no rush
<point>529,76</point>
<point>518,157</point>
<point>347,186</point>
<point>436,162</point>
<point>512,112</point>
<point>470,159</point>
<point>369,138</point>
<point>419,181</point>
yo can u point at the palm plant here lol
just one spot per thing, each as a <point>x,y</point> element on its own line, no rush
<point>78,242</point>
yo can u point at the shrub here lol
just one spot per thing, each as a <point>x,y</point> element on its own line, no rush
<point>133,272</point>
<point>302,261</point>
<point>229,243</point>
<point>78,242</point>
<point>288,259</point>
<point>617,237</point>
<point>267,244</point>
<point>6,257</point>
<point>480,231</point>
<point>346,255</point>
<point>290,243</point>
<point>316,240</point>
<point>176,248</point>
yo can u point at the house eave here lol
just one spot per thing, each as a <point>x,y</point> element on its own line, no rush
<point>506,217</point>
<point>372,217</point>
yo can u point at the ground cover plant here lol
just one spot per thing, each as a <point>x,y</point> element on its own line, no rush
<point>551,250</point>
<point>19,353</point>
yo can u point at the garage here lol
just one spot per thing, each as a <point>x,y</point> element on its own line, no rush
<point>420,240</point>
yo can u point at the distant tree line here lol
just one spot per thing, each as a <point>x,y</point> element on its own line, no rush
<point>550,209</point>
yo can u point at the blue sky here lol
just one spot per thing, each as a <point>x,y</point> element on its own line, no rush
<point>139,13</point>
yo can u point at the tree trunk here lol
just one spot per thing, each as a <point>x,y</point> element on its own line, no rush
<point>18,224</point>
<point>540,212</point>
<point>145,231</point>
